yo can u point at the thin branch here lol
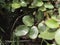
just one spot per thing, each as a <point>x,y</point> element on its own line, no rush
<point>15,22</point>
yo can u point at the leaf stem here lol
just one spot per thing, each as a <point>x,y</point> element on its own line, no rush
<point>42,41</point>
<point>17,40</point>
<point>16,21</point>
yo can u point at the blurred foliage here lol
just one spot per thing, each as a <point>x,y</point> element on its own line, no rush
<point>39,23</point>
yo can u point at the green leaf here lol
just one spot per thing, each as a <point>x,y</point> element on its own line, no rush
<point>36,3</point>
<point>53,44</point>
<point>42,8</point>
<point>58,18</point>
<point>57,36</point>
<point>50,12</point>
<point>2,1</point>
<point>47,35</point>
<point>45,0</point>
<point>23,3</point>
<point>15,1</point>
<point>39,4</point>
<point>33,4</point>
<point>39,16</point>
<point>21,30</point>
<point>33,32</point>
<point>52,30</point>
<point>28,20</point>
<point>54,17</point>
<point>41,27</point>
<point>59,10</point>
<point>48,44</point>
<point>49,6</point>
<point>51,23</point>
<point>15,5</point>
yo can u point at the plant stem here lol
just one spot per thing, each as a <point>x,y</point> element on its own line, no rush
<point>15,22</point>
<point>42,41</point>
<point>18,41</point>
<point>13,39</point>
